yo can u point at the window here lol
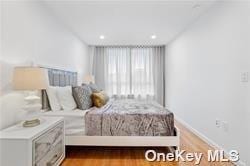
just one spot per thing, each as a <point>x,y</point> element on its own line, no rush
<point>135,71</point>
<point>129,71</point>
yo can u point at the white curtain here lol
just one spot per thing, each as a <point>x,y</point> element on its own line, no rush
<point>117,72</point>
<point>131,72</point>
<point>142,72</point>
<point>98,66</point>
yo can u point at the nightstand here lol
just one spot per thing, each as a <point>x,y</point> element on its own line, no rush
<point>42,145</point>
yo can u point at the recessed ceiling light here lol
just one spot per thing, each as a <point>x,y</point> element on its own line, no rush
<point>196,6</point>
<point>102,37</point>
<point>153,37</point>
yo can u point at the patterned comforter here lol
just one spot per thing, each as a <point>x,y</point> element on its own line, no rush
<point>129,118</point>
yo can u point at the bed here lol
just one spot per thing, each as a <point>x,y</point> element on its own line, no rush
<point>118,123</point>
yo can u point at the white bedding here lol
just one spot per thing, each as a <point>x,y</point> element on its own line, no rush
<point>74,120</point>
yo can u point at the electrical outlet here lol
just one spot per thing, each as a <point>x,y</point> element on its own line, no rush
<point>244,77</point>
<point>217,123</point>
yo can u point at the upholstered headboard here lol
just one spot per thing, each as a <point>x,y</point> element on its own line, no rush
<point>58,78</point>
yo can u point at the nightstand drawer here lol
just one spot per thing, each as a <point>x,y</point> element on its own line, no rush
<point>52,157</point>
<point>49,147</point>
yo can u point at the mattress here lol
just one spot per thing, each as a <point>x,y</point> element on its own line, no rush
<point>74,120</point>
<point>129,117</point>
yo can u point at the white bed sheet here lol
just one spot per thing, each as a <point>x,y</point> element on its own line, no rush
<point>74,120</point>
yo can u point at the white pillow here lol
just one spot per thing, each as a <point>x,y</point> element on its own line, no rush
<point>53,98</point>
<point>66,98</point>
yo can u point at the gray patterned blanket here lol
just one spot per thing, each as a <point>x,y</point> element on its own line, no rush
<point>129,118</point>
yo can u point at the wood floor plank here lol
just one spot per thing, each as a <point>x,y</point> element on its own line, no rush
<point>134,156</point>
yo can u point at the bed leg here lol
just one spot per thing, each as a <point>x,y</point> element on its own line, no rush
<point>176,148</point>
<point>172,149</point>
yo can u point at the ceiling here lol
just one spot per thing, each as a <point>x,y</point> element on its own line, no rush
<point>127,22</point>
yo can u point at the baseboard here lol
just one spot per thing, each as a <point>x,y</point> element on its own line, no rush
<point>206,139</point>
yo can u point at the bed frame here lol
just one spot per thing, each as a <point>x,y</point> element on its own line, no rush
<point>59,77</point>
<point>131,141</point>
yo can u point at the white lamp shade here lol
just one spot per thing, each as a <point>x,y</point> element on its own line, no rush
<point>30,78</point>
<point>88,79</point>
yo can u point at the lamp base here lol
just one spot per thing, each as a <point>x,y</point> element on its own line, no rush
<point>31,123</point>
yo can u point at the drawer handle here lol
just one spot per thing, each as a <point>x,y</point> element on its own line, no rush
<point>52,161</point>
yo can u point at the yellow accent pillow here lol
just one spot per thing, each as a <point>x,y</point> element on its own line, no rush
<point>99,99</point>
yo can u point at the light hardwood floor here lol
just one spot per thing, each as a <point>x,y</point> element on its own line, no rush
<point>123,156</point>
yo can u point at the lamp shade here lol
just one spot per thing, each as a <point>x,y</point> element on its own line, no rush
<point>89,79</point>
<point>30,78</point>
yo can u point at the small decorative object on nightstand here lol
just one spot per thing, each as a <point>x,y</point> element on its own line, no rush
<point>30,79</point>
<point>41,145</point>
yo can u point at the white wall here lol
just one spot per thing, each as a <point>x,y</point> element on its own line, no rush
<point>203,75</point>
<point>31,34</point>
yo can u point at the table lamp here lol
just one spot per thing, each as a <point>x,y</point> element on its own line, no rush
<point>31,80</point>
<point>89,79</point>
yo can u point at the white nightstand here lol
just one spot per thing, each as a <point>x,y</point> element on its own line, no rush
<point>41,145</point>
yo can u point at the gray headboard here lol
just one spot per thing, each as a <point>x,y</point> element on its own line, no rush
<point>58,78</point>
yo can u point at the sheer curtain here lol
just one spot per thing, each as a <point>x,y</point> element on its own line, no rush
<point>142,72</point>
<point>117,71</point>
<point>131,72</point>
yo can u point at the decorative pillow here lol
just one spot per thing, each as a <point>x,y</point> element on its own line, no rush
<point>82,95</point>
<point>66,98</point>
<point>99,99</point>
<point>53,98</point>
